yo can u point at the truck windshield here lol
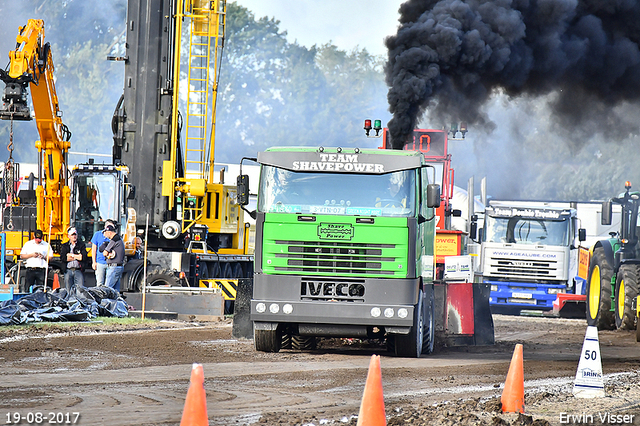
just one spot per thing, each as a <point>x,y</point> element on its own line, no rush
<point>94,203</point>
<point>521,230</point>
<point>284,191</point>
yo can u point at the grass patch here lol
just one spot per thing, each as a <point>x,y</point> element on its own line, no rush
<point>96,322</point>
<point>125,320</point>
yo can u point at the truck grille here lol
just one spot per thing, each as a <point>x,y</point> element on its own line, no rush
<point>334,257</point>
<point>518,269</point>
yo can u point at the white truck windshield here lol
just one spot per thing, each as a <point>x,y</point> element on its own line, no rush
<point>284,191</point>
<point>520,230</point>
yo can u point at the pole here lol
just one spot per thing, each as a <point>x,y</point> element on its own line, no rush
<point>46,256</point>
<point>144,267</point>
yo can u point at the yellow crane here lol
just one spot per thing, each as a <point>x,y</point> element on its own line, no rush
<point>31,67</point>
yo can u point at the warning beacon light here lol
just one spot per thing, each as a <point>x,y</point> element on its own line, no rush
<point>454,129</point>
<point>377,126</point>
<point>463,128</point>
<point>367,127</point>
<point>627,185</point>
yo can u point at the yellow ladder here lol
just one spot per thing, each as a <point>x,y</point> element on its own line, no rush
<point>205,34</point>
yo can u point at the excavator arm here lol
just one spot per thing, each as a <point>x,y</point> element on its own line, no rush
<point>31,66</point>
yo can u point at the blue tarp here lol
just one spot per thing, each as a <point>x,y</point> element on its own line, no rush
<point>78,304</point>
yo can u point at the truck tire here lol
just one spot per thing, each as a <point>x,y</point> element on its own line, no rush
<point>599,292</point>
<point>267,340</point>
<point>626,293</point>
<point>410,345</point>
<point>429,326</point>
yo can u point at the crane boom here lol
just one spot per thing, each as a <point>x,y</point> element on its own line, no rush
<point>31,65</point>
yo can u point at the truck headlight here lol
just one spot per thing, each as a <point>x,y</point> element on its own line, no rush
<point>274,308</point>
<point>388,312</point>
<point>375,312</point>
<point>494,287</point>
<point>261,307</point>
<point>556,290</point>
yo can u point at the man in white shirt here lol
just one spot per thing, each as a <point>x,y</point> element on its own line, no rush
<point>36,253</point>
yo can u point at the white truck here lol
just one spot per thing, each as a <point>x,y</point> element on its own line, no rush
<point>534,254</point>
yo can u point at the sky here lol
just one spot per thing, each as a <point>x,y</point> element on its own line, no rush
<point>344,23</point>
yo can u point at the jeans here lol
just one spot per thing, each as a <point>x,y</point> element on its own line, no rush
<point>101,273</point>
<point>73,276</point>
<point>113,277</point>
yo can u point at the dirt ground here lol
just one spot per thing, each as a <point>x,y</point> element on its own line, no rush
<point>139,374</point>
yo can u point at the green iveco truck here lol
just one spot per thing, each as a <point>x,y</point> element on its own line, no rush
<point>344,248</point>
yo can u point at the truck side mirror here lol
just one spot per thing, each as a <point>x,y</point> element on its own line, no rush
<point>433,195</point>
<point>243,190</point>
<point>582,234</point>
<point>606,213</point>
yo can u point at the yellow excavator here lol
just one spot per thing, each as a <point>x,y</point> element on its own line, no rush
<point>43,201</point>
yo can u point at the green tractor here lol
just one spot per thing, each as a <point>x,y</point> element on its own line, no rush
<point>614,269</point>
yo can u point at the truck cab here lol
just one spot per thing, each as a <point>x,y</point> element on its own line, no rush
<point>344,248</point>
<point>529,255</point>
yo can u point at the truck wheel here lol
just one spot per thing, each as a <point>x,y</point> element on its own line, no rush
<point>410,345</point>
<point>626,292</point>
<point>599,292</point>
<point>429,327</point>
<point>267,340</point>
<point>304,343</point>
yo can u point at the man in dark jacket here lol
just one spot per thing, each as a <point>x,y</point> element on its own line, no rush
<point>113,251</point>
<point>74,257</point>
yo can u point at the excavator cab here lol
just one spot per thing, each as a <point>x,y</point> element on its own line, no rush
<point>97,191</point>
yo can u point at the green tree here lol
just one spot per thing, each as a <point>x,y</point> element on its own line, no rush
<point>81,35</point>
<point>273,92</point>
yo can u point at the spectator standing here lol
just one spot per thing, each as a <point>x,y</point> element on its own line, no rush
<point>36,254</point>
<point>74,252</point>
<point>98,261</point>
<point>139,253</point>
<point>113,251</point>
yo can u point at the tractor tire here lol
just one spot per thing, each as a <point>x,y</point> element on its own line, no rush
<point>304,343</point>
<point>267,340</point>
<point>599,292</point>
<point>162,277</point>
<point>626,293</point>
<point>286,338</point>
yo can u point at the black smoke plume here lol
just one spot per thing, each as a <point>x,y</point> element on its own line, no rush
<point>450,56</point>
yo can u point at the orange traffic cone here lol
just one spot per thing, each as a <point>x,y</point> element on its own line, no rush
<point>56,282</point>
<point>372,405</point>
<point>513,393</point>
<point>195,407</point>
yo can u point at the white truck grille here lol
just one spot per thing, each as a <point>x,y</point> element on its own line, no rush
<point>525,265</point>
